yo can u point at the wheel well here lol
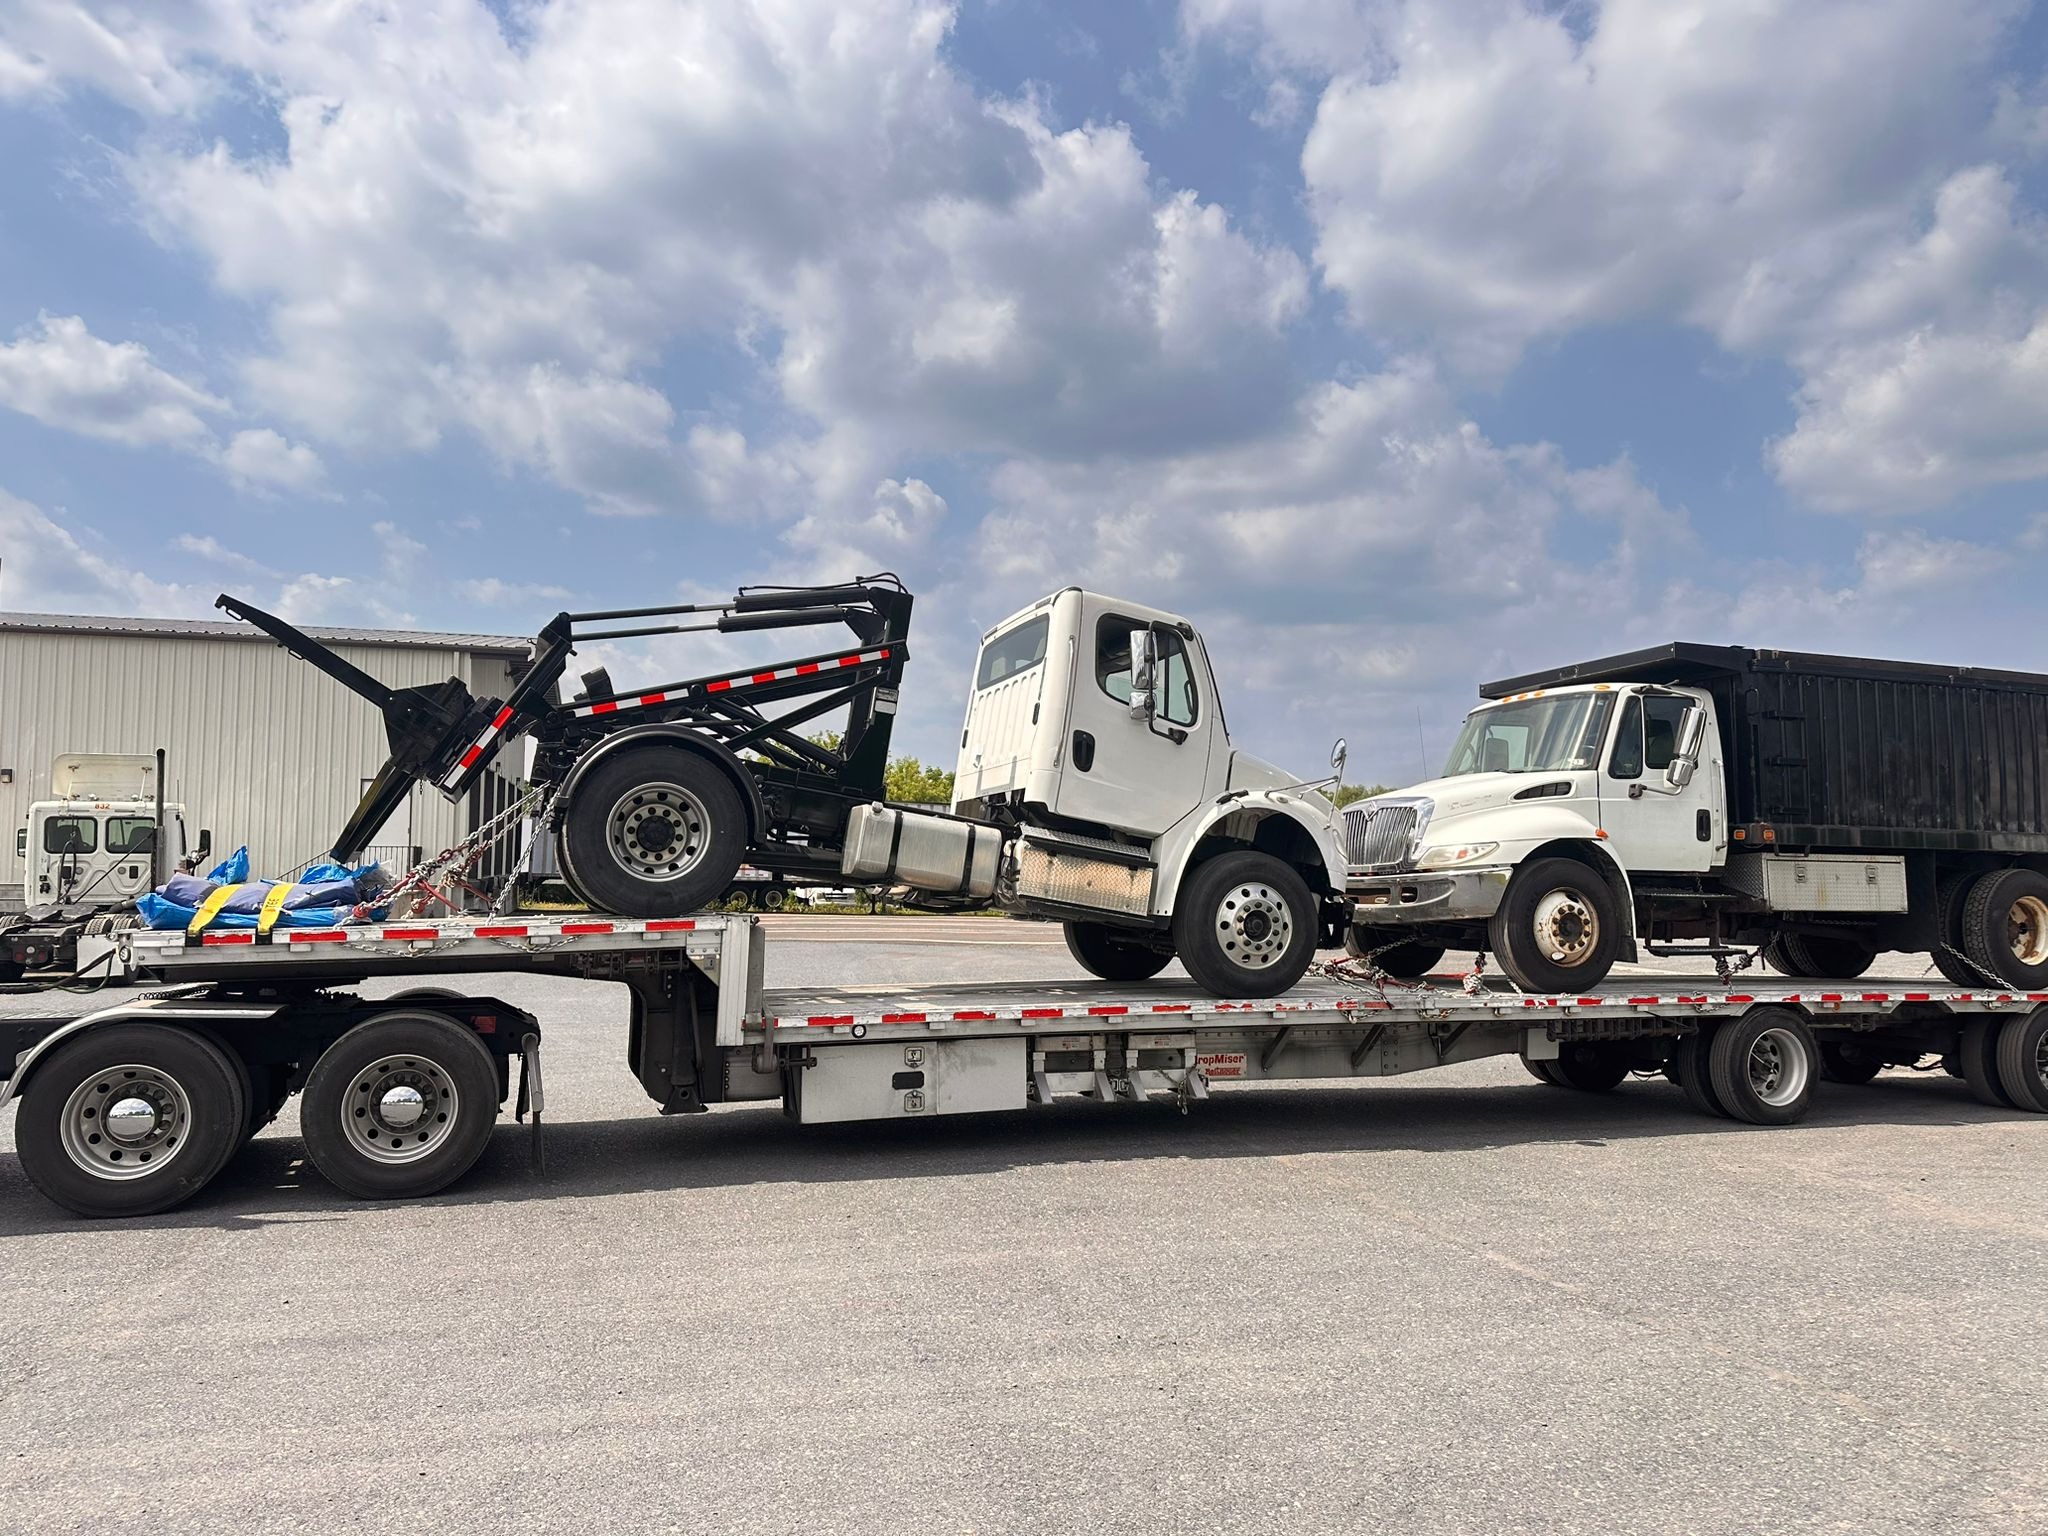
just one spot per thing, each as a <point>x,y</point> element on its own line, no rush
<point>1266,832</point>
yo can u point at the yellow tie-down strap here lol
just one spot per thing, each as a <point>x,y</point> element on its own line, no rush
<point>273,903</point>
<point>209,909</point>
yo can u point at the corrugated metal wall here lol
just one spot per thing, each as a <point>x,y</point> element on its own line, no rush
<point>263,749</point>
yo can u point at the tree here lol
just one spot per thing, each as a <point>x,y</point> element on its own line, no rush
<point>906,780</point>
<point>1346,793</point>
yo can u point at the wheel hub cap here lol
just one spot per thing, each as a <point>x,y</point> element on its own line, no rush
<point>125,1122</point>
<point>1253,925</point>
<point>401,1109</point>
<point>2026,930</point>
<point>1777,1067</point>
<point>658,831</point>
<point>1566,927</point>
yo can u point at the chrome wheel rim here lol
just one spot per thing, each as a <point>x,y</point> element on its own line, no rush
<point>1253,925</point>
<point>1777,1067</point>
<point>125,1122</point>
<point>2026,930</point>
<point>400,1109</point>
<point>658,831</point>
<point>1566,928</point>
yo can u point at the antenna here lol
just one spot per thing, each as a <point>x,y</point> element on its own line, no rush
<point>1421,746</point>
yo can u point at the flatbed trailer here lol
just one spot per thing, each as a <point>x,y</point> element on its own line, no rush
<point>134,1107</point>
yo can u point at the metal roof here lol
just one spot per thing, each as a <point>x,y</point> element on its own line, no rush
<point>205,629</point>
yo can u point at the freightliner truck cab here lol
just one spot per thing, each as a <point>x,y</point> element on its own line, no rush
<point>1095,737</point>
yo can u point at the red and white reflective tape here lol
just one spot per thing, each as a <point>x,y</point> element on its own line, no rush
<point>444,934</point>
<point>726,684</point>
<point>476,751</point>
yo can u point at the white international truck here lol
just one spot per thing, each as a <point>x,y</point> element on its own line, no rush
<point>1715,799</point>
<point>86,853</point>
<point>135,1107</point>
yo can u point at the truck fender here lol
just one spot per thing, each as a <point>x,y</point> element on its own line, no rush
<point>1261,804</point>
<point>198,1018</point>
<point>669,734</point>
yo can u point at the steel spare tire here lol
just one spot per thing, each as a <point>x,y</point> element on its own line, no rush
<point>655,831</point>
<point>1245,925</point>
<point>1558,928</point>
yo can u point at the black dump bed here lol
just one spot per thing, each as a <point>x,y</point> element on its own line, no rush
<point>1842,752</point>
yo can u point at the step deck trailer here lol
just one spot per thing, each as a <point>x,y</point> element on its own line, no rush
<point>134,1107</point>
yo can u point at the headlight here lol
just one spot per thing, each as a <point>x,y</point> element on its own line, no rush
<point>1455,853</point>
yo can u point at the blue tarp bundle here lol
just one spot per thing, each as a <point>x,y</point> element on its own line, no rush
<point>324,896</point>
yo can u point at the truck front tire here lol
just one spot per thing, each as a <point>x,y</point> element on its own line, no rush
<point>130,1120</point>
<point>400,1106</point>
<point>1245,925</point>
<point>1558,928</point>
<point>2005,927</point>
<point>1114,954</point>
<point>655,831</point>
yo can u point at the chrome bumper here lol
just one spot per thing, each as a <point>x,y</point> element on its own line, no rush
<point>1445,896</point>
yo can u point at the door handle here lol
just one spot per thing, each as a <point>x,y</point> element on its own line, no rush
<point>1084,751</point>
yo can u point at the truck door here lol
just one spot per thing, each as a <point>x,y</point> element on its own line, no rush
<point>1135,775</point>
<point>1648,826</point>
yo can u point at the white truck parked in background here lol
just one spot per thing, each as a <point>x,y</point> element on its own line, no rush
<point>1095,741</point>
<point>87,852</point>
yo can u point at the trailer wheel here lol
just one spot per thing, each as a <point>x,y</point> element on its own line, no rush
<point>1977,1056</point>
<point>400,1106</point>
<point>1589,1066</point>
<point>655,831</point>
<point>1114,954</point>
<point>1403,959</point>
<point>1541,1071</point>
<point>774,898</point>
<point>1245,925</point>
<point>129,1120</point>
<point>1558,928</point>
<point>1811,956</point>
<point>1764,1065</point>
<point>2005,927</point>
<point>1949,957</point>
<point>1848,1061</point>
<point>2023,1060</point>
<point>1692,1066</point>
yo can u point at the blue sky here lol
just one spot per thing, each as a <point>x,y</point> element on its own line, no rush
<point>1399,343</point>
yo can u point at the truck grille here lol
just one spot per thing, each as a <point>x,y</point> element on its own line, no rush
<point>1379,835</point>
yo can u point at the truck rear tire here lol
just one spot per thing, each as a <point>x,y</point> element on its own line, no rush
<point>129,1120</point>
<point>1764,1065</point>
<point>655,831</point>
<point>1245,925</point>
<point>2023,1061</point>
<point>1977,1055</point>
<point>1114,954</point>
<point>2005,927</point>
<point>1949,956</point>
<point>1558,928</point>
<point>1404,959</point>
<point>1813,956</point>
<point>400,1106</point>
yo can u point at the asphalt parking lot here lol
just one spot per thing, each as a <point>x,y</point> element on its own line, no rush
<point>1459,1302</point>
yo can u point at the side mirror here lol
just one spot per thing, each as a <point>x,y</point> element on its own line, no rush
<point>205,844</point>
<point>1144,674</point>
<point>1338,754</point>
<point>21,842</point>
<point>1685,760</point>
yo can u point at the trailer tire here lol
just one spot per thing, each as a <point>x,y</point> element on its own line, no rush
<point>181,1099</point>
<point>774,898</point>
<point>400,1106</point>
<point>1403,959</point>
<point>1114,954</point>
<point>1245,925</point>
<point>1589,1066</point>
<point>1692,1067</point>
<point>1764,1065</point>
<point>1540,1070</point>
<point>655,831</point>
<point>2005,927</point>
<point>1977,1055</point>
<point>2023,1060</point>
<point>1948,956</point>
<point>1558,928</point>
<point>1848,1061</point>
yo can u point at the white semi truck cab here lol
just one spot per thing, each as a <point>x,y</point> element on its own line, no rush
<point>86,853</point>
<point>1095,739</point>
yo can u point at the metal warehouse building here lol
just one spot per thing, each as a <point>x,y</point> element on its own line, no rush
<point>262,748</point>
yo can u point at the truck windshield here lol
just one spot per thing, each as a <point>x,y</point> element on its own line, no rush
<point>1013,651</point>
<point>1533,735</point>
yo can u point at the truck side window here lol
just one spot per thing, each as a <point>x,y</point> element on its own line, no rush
<point>1014,651</point>
<point>1178,703</point>
<point>1627,761</point>
<point>129,834</point>
<point>1661,718</point>
<point>71,834</point>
